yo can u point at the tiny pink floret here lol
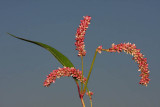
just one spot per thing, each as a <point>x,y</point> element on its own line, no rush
<point>81,31</point>
<point>90,92</point>
<point>66,71</point>
<point>99,49</point>
<point>137,56</point>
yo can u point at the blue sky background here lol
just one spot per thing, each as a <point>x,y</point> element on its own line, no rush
<point>114,80</point>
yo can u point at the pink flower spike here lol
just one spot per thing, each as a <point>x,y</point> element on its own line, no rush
<point>137,56</point>
<point>99,49</point>
<point>81,31</point>
<point>66,71</point>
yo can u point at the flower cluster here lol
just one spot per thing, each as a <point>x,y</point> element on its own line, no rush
<point>80,35</point>
<point>99,49</point>
<point>137,56</point>
<point>90,92</point>
<point>66,71</point>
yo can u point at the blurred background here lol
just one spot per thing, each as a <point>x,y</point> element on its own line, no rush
<point>114,79</point>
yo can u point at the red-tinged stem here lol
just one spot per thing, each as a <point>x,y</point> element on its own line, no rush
<point>79,92</point>
<point>80,95</point>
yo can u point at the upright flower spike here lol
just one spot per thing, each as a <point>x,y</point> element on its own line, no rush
<point>81,31</point>
<point>66,71</point>
<point>137,56</point>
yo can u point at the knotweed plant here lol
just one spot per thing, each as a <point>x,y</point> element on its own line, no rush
<point>69,70</point>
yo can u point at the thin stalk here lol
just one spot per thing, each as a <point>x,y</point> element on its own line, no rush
<point>89,97</point>
<point>82,102</point>
<point>84,90</point>
<point>107,50</point>
<point>91,102</point>
<point>82,73</point>
<point>78,89</point>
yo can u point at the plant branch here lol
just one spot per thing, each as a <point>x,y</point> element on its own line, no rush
<point>84,90</point>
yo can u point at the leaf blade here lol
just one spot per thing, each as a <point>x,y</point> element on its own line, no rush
<point>58,55</point>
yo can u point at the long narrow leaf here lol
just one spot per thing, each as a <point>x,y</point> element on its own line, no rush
<point>59,56</point>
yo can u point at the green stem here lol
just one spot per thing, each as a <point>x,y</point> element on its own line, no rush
<point>82,74</point>
<point>84,90</point>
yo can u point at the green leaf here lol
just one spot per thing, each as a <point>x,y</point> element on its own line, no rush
<point>59,56</point>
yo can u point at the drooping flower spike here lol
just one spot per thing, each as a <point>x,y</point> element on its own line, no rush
<point>137,56</point>
<point>66,71</point>
<point>81,31</point>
